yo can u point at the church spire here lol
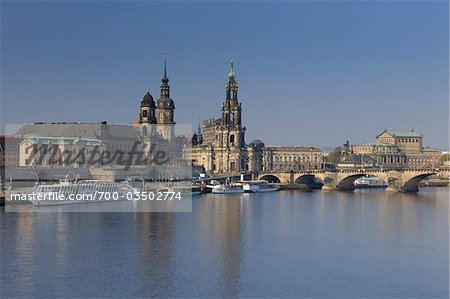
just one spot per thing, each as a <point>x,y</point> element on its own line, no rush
<point>231,74</point>
<point>231,87</point>
<point>165,88</point>
<point>164,78</point>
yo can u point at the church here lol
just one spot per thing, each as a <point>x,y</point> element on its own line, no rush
<point>221,148</point>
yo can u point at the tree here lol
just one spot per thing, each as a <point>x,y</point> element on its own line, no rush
<point>334,156</point>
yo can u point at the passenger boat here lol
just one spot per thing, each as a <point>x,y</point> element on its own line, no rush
<point>258,186</point>
<point>227,189</point>
<point>80,192</point>
<point>369,182</point>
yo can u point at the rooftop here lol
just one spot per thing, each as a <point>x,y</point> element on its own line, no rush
<point>404,133</point>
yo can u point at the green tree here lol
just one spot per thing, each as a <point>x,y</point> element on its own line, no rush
<point>334,156</point>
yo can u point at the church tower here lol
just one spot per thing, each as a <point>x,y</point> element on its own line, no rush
<point>231,112</point>
<point>231,109</point>
<point>147,117</point>
<point>165,108</point>
<point>231,136</point>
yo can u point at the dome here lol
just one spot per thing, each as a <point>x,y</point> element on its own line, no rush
<point>257,143</point>
<point>147,100</point>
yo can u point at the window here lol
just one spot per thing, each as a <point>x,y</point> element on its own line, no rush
<point>232,138</point>
<point>144,113</point>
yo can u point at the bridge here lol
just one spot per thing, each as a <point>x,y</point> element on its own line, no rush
<point>397,180</point>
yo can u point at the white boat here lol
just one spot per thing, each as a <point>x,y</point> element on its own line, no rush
<point>369,182</point>
<point>80,192</point>
<point>227,189</point>
<point>258,186</point>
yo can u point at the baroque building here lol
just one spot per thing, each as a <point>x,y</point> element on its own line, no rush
<point>221,146</point>
<point>399,149</point>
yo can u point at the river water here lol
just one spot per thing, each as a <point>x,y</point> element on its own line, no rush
<point>322,244</point>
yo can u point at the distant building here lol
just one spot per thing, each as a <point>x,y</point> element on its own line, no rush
<point>114,137</point>
<point>399,149</point>
<point>221,147</point>
<point>284,158</point>
<point>9,150</point>
<point>52,151</point>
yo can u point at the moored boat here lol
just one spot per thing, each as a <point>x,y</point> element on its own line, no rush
<point>227,189</point>
<point>369,182</point>
<point>79,192</point>
<point>258,186</point>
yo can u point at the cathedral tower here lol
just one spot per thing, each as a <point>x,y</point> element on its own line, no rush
<point>231,109</point>
<point>231,113</point>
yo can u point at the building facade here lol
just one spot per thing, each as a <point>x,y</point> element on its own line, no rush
<point>399,149</point>
<point>281,158</point>
<point>9,151</point>
<point>60,151</point>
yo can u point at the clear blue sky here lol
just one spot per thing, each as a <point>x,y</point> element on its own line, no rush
<point>311,73</point>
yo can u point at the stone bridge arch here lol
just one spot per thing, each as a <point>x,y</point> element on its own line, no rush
<point>271,178</point>
<point>303,178</point>
<point>346,183</point>
<point>409,181</point>
<point>412,185</point>
<point>306,180</point>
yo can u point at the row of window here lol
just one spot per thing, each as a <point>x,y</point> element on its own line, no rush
<point>297,159</point>
<point>408,139</point>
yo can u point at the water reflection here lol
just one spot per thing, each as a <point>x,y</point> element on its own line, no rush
<point>311,244</point>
